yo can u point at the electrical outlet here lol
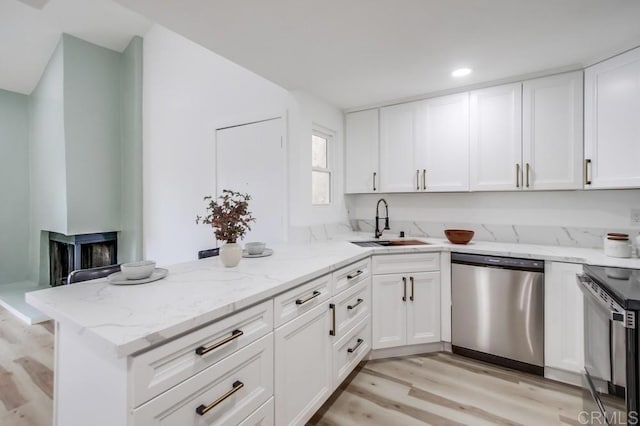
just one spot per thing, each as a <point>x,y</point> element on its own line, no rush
<point>635,217</point>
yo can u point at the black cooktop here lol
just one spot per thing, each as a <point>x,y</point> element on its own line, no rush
<point>622,284</point>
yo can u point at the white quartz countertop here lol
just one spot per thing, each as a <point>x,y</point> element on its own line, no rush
<point>127,319</point>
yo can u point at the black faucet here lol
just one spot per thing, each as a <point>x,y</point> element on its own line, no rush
<point>378,233</point>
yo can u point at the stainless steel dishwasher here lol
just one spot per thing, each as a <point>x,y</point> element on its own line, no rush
<point>498,310</point>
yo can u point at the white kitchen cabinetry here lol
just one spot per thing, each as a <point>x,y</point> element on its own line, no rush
<point>563,318</point>
<point>362,174</point>
<point>496,138</point>
<point>552,132</point>
<point>612,122</point>
<point>443,143</point>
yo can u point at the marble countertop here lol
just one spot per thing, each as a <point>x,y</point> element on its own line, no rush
<point>128,319</point>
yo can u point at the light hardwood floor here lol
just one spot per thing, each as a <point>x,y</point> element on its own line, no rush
<point>436,389</point>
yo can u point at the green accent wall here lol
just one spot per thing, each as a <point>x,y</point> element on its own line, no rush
<point>14,186</point>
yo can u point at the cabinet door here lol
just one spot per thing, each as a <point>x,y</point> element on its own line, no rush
<point>398,170</point>
<point>389,326</point>
<point>361,152</point>
<point>443,128</point>
<point>423,308</point>
<point>303,366</point>
<point>612,122</point>
<point>552,132</point>
<point>563,317</point>
<point>495,138</point>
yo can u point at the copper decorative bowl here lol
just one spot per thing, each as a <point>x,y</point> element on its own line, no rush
<point>458,236</point>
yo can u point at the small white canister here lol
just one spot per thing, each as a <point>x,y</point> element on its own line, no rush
<point>617,245</point>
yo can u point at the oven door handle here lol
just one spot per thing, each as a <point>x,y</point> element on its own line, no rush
<point>615,312</point>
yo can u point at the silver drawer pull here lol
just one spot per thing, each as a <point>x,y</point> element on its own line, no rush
<point>203,409</point>
<point>315,294</point>
<point>355,305</point>
<point>357,274</point>
<point>206,349</point>
<point>355,348</point>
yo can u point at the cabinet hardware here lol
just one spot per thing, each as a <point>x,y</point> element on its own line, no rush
<point>404,294</point>
<point>315,294</point>
<point>424,179</point>
<point>206,349</point>
<point>517,175</point>
<point>374,181</point>
<point>355,305</point>
<point>355,348</point>
<point>412,291</point>
<point>332,332</point>
<point>528,167</point>
<point>203,409</point>
<point>587,164</point>
<point>357,274</point>
<point>418,180</point>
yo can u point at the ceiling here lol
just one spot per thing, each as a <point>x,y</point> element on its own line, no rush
<point>31,29</point>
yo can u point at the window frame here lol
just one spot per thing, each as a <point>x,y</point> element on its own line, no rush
<point>329,136</point>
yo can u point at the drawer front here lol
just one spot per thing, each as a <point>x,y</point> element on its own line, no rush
<point>351,275</point>
<point>239,384</point>
<point>301,299</point>
<point>351,307</point>
<point>350,350</point>
<point>263,416</point>
<point>159,369</point>
<point>403,263</point>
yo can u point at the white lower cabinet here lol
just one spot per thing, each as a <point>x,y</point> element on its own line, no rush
<point>563,318</point>
<point>263,416</point>
<point>423,308</point>
<point>303,366</point>
<point>350,350</point>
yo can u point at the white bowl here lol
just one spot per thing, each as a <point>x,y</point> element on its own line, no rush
<point>617,248</point>
<point>255,247</point>
<point>138,270</point>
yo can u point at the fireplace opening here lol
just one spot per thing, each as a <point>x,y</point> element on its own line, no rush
<point>70,252</point>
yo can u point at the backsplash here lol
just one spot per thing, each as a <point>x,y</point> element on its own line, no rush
<point>308,234</point>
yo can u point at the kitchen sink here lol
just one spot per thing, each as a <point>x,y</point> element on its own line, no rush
<point>389,243</point>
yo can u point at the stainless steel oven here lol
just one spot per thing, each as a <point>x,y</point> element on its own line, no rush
<point>610,379</point>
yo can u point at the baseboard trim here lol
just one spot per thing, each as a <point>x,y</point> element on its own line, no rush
<point>563,376</point>
<point>406,350</point>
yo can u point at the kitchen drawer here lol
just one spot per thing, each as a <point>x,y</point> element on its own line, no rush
<point>240,384</point>
<point>351,307</point>
<point>263,416</point>
<point>358,341</point>
<point>404,263</point>
<point>159,369</point>
<point>301,299</point>
<point>351,275</point>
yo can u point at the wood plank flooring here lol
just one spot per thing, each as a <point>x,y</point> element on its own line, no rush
<point>26,372</point>
<point>446,389</point>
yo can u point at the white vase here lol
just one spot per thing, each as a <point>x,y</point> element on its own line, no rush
<point>230,254</point>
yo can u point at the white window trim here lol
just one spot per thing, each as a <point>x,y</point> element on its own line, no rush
<point>329,135</point>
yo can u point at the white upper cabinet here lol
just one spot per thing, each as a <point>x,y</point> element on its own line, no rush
<point>612,122</point>
<point>362,140</point>
<point>552,132</point>
<point>443,138</point>
<point>496,138</point>
<point>400,165</point>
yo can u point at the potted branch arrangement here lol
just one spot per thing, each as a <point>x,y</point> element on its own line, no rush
<point>231,219</point>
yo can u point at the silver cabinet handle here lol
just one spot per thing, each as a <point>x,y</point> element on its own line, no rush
<point>355,348</point>
<point>528,167</point>
<point>417,180</point>
<point>587,166</point>
<point>206,349</point>
<point>412,290</point>
<point>517,175</point>
<point>404,294</point>
<point>424,179</point>
<point>374,181</point>
<point>315,294</point>
<point>332,332</point>
<point>355,305</point>
<point>203,409</point>
<point>357,274</point>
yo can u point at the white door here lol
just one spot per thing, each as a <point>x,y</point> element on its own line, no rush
<point>612,122</point>
<point>443,129</point>
<point>389,326</point>
<point>423,308</point>
<point>495,138</point>
<point>361,152</point>
<point>552,132</point>
<point>398,156</point>
<point>563,317</point>
<point>252,159</point>
<point>303,366</point>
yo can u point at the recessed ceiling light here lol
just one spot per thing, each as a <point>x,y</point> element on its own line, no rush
<point>461,72</point>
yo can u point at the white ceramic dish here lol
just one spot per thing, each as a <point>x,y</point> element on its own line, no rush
<point>265,253</point>
<point>617,248</point>
<point>119,279</point>
<point>138,270</point>
<point>256,247</point>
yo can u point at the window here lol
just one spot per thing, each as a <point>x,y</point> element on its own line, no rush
<point>320,168</point>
